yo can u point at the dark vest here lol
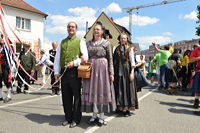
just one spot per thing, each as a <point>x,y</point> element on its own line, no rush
<point>52,55</point>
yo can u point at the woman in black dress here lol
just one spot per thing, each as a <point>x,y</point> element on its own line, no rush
<point>124,84</point>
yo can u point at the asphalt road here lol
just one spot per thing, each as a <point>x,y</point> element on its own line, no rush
<point>159,112</point>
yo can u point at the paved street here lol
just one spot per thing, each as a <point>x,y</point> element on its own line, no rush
<point>39,112</point>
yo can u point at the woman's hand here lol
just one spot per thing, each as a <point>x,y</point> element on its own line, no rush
<point>111,78</point>
<point>131,76</point>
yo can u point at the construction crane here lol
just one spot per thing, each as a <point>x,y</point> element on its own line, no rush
<point>146,5</point>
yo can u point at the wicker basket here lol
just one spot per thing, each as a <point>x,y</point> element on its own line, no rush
<point>84,71</point>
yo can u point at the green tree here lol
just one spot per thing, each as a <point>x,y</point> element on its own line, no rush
<point>198,21</point>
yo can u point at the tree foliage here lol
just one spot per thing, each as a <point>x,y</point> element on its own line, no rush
<point>198,21</point>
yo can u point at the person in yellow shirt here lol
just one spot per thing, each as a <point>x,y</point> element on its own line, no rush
<point>186,71</point>
<point>171,50</point>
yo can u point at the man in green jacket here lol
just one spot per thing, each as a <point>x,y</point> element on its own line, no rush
<point>27,61</point>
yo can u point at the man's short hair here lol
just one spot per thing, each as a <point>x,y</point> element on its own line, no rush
<point>54,42</point>
<point>195,46</point>
<point>176,50</point>
<point>74,23</point>
<point>180,51</point>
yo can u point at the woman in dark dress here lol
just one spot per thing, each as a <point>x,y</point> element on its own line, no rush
<point>125,89</point>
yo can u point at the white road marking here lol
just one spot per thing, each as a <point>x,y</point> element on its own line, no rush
<point>91,130</point>
<point>27,101</point>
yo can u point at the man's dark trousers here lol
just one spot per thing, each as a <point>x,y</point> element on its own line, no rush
<point>71,95</point>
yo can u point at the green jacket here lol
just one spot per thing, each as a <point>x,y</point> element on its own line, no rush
<point>27,61</point>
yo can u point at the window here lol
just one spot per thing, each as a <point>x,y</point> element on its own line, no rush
<point>22,23</point>
<point>18,47</point>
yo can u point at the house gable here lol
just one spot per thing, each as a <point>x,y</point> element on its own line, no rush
<point>108,24</point>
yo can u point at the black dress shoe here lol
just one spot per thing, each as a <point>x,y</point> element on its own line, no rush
<point>100,123</point>
<point>1,99</point>
<point>118,111</point>
<point>65,123</point>
<point>92,121</point>
<point>7,99</point>
<point>53,93</point>
<point>184,89</point>
<point>25,92</point>
<point>73,124</point>
<point>58,92</point>
<point>19,91</point>
<point>127,113</point>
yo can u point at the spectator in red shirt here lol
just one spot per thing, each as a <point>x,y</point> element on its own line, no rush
<point>195,56</point>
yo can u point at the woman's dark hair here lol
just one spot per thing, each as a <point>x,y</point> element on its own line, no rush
<point>118,38</point>
<point>186,52</point>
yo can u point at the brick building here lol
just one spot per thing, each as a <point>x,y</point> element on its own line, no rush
<point>183,45</point>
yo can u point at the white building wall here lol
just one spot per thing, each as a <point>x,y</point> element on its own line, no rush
<point>37,24</point>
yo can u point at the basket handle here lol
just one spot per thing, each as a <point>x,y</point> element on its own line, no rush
<point>88,63</point>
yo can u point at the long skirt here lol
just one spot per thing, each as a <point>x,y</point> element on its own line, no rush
<point>125,90</point>
<point>98,93</point>
<point>196,83</point>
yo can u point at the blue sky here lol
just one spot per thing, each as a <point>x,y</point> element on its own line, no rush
<point>161,24</point>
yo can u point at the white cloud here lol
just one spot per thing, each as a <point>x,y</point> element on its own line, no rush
<point>46,40</point>
<point>59,22</point>
<point>137,20</point>
<point>113,7</point>
<point>167,33</point>
<point>143,46</point>
<point>150,39</point>
<point>57,30</point>
<point>192,15</point>
<point>81,34</point>
<point>82,11</point>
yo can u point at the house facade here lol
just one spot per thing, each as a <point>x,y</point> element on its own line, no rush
<point>27,23</point>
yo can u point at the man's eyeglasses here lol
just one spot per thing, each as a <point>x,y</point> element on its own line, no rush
<point>70,26</point>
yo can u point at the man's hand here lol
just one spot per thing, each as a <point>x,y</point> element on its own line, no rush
<point>70,64</point>
<point>153,43</point>
<point>57,76</point>
<point>83,59</point>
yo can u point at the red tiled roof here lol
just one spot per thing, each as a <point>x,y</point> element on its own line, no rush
<point>21,4</point>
